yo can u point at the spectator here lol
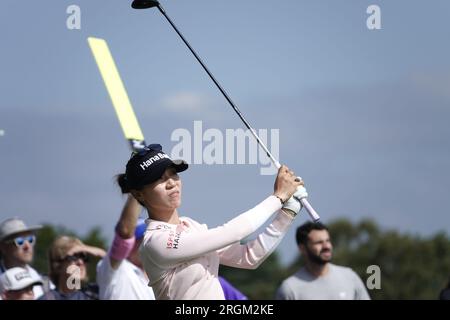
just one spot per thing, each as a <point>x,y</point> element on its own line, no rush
<point>17,242</point>
<point>120,275</point>
<point>17,284</point>
<point>68,257</point>
<point>445,293</point>
<point>230,292</point>
<point>319,279</point>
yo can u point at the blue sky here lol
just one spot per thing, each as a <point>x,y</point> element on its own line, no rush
<point>363,114</point>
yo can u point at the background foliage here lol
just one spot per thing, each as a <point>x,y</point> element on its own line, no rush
<point>412,267</point>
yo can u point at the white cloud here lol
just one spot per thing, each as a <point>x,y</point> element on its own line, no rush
<point>186,102</point>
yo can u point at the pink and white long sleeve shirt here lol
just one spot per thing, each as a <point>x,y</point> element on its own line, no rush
<point>182,261</point>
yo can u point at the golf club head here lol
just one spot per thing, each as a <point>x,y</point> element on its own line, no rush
<point>144,4</point>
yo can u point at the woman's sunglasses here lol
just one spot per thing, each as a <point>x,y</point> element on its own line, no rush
<point>73,258</point>
<point>143,151</point>
<point>20,241</point>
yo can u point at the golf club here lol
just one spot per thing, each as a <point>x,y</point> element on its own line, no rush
<point>145,4</point>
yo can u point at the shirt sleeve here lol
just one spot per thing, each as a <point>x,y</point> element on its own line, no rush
<point>360,290</point>
<point>175,245</point>
<point>105,275</point>
<point>251,254</point>
<point>284,292</point>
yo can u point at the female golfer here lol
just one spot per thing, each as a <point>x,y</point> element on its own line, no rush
<point>180,255</point>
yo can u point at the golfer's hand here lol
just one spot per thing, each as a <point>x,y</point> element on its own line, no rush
<point>286,184</point>
<point>293,205</point>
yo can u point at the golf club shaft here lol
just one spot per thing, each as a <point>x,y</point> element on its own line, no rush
<point>313,214</point>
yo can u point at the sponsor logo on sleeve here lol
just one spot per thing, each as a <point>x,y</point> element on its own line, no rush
<point>174,239</point>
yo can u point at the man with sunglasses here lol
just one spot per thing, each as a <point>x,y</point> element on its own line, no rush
<point>17,242</point>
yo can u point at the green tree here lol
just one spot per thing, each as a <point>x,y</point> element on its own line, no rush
<point>260,283</point>
<point>94,238</point>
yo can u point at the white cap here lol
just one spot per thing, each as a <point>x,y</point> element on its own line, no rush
<point>14,225</point>
<point>17,279</point>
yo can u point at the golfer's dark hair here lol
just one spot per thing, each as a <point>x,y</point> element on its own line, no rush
<point>303,231</point>
<point>123,183</point>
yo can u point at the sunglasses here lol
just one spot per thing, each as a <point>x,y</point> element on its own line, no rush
<point>73,258</point>
<point>20,241</point>
<point>142,151</point>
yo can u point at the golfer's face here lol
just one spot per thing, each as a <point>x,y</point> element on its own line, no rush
<point>319,245</point>
<point>164,193</point>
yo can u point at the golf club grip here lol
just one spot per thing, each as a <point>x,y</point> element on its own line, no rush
<point>312,213</point>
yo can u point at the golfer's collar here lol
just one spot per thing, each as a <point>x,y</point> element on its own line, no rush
<point>184,224</point>
<point>156,224</point>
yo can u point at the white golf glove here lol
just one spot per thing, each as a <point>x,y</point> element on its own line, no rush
<point>293,206</point>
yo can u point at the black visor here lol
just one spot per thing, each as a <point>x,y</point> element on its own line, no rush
<point>148,165</point>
